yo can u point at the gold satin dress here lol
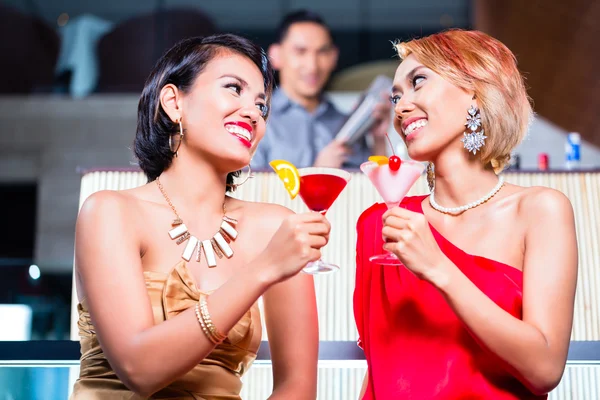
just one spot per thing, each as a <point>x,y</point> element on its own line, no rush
<point>217,377</point>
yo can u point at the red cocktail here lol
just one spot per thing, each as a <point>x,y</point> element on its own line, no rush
<point>319,188</point>
<point>319,191</point>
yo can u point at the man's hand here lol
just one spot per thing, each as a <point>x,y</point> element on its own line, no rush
<point>333,155</point>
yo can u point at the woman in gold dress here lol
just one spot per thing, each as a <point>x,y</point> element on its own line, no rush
<point>169,274</point>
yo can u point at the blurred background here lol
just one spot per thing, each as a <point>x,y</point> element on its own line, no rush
<point>72,71</point>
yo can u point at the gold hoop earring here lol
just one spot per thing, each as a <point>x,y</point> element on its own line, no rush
<point>234,186</point>
<point>178,140</point>
<point>430,176</point>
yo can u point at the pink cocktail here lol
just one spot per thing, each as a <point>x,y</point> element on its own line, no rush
<point>393,186</point>
<point>319,188</point>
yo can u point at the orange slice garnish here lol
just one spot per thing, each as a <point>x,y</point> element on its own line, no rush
<point>288,174</point>
<point>380,160</point>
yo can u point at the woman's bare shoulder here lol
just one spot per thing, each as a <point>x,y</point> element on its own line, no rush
<point>541,201</point>
<point>537,203</point>
<point>113,205</point>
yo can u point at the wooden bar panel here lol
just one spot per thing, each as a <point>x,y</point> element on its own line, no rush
<point>557,49</point>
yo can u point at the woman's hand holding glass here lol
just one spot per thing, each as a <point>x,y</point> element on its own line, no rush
<point>297,242</point>
<point>408,236</point>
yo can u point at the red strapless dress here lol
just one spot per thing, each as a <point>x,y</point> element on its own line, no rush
<point>415,346</point>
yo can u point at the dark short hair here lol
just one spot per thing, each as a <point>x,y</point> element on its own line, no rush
<point>180,66</point>
<point>298,17</point>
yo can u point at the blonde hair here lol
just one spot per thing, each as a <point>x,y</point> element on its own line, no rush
<point>477,62</point>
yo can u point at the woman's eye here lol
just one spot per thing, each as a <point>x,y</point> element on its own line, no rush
<point>234,87</point>
<point>418,79</point>
<point>264,109</point>
<point>394,99</point>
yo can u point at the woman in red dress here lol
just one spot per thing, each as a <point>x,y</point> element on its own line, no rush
<point>483,306</point>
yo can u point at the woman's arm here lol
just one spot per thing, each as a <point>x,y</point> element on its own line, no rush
<point>292,324</point>
<point>147,357</point>
<point>365,383</point>
<point>536,348</point>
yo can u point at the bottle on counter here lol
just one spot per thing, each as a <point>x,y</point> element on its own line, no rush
<point>543,161</point>
<point>515,162</point>
<point>572,151</point>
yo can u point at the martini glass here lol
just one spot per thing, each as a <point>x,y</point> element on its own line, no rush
<point>392,186</point>
<point>319,188</point>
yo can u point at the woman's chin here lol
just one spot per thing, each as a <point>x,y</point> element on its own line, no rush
<point>420,156</point>
<point>234,163</point>
<point>422,151</point>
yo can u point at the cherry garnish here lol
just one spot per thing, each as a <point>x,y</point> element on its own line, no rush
<point>394,163</point>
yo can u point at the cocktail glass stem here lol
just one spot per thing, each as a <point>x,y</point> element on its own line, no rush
<point>320,266</point>
<point>387,257</point>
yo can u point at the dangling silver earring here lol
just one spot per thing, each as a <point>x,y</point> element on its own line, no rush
<point>177,140</point>
<point>234,186</point>
<point>473,140</point>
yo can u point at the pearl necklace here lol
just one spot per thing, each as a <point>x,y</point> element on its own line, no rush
<point>462,209</point>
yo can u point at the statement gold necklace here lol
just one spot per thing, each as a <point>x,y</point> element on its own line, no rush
<point>218,244</point>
